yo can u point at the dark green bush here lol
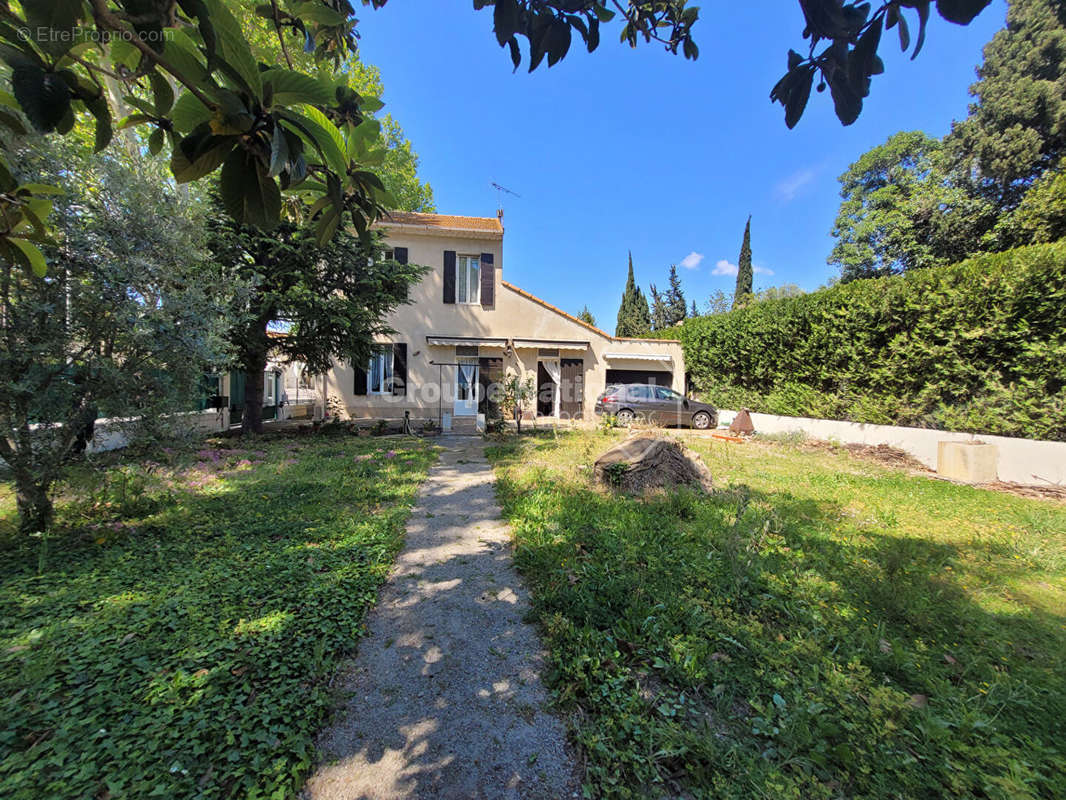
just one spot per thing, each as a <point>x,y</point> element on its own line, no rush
<point>978,346</point>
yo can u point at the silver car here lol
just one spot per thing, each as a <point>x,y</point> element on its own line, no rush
<point>656,405</point>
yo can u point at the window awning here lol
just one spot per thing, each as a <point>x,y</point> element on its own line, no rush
<point>661,357</point>
<point>450,341</point>
<point>555,344</point>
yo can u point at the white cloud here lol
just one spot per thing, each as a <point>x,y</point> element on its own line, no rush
<point>725,267</point>
<point>692,260</point>
<point>787,189</point>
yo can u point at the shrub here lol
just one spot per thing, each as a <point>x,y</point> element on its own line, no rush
<point>977,346</point>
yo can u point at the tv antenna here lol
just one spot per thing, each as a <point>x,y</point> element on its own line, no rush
<point>500,191</point>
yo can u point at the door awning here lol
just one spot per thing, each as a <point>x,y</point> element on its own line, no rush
<point>451,341</point>
<point>555,344</point>
<point>660,357</point>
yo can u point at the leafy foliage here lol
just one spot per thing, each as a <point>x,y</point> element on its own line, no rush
<point>122,325</point>
<point>675,298</point>
<point>916,202</point>
<point>191,69</point>
<point>904,208</point>
<point>330,300</point>
<point>516,396</point>
<point>851,33</point>
<point>1016,128</point>
<point>634,318</point>
<point>182,642</point>
<point>668,308</point>
<point>587,316</point>
<point>270,128</point>
<point>817,628</point>
<point>978,346</point>
<point>659,314</point>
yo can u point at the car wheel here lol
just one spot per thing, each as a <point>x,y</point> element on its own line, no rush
<point>701,420</point>
<point>626,417</point>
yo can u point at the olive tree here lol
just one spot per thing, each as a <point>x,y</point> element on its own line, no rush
<point>120,326</point>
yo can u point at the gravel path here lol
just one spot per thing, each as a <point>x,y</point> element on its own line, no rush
<point>446,700</point>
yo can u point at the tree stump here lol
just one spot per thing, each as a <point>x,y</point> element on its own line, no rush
<point>650,462</point>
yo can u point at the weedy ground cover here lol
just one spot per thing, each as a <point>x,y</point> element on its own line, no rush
<point>817,627</point>
<point>191,609</point>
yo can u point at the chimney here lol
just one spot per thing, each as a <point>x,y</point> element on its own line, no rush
<point>499,216</point>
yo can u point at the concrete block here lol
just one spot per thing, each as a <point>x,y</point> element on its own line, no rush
<point>970,462</point>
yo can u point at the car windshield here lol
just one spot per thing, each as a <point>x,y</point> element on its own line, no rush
<point>612,389</point>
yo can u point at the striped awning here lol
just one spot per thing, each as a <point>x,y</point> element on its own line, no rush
<point>554,344</point>
<point>660,357</point>
<point>470,341</point>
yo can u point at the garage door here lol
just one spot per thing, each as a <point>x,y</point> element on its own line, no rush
<point>656,377</point>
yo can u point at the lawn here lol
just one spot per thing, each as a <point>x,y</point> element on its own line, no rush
<point>192,609</point>
<point>818,627</point>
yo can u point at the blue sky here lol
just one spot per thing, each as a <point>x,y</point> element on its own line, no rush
<point>639,150</point>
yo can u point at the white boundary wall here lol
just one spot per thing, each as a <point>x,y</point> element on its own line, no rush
<point>1027,461</point>
<point>108,433</point>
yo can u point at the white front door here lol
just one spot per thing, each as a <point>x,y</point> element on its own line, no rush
<point>466,389</point>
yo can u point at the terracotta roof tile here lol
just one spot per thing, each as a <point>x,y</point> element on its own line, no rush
<point>444,221</point>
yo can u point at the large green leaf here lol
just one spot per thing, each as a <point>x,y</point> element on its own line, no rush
<point>32,255</point>
<point>315,11</point>
<point>250,195</point>
<point>43,96</point>
<point>45,17</point>
<point>184,55</point>
<point>234,47</point>
<point>99,108</point>
<point>294,88</point>
<point>188,112</point>
<point>322,134</point>
<point>961,12</point>
<point>199,154</point>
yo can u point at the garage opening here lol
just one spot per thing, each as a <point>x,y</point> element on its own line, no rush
<point>650,376</point>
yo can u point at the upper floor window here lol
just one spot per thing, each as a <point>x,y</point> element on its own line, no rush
<point>467,280</point>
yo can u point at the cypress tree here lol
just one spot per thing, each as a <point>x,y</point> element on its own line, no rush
<point>744,269</point>
<point>586,316</point>
<point>625,324</point>
<point>675,299</point>
<point>641,315</point>
<point>694,313</point>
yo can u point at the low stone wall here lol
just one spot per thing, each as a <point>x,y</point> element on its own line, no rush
<point>1026,461</point>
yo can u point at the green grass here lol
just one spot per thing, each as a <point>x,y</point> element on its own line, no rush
<point>181,638</point>
<point>818,627</point>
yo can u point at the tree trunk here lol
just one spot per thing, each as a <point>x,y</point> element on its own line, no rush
<point>255,365</point>
<point>252,421</point>
<point>34,505</point>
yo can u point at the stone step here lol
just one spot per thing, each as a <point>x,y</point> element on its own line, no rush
<point>464,425</point>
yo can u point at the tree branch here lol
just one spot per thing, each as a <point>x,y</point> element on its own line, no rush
<point>281,38</point>
<point>108,20</point>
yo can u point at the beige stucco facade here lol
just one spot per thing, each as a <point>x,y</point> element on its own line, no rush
<point>517,331</point>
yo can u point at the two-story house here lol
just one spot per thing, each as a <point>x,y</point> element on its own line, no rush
<point>465,328</point>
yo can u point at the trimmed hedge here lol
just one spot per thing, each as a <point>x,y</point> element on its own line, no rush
<point>978,346</point>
